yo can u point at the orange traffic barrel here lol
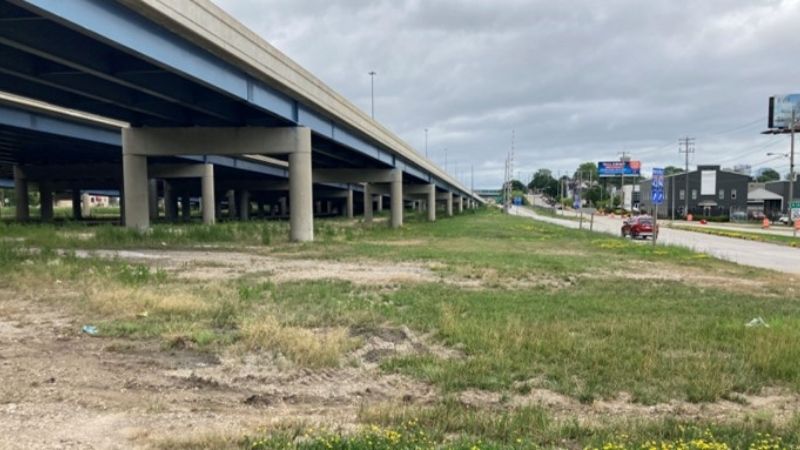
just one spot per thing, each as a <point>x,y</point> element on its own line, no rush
<point>765,223</point>
<point>689,217</point>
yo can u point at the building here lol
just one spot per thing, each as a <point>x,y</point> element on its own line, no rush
<point>761,200</point>
<point>782,188</point>
<point>712,192</point>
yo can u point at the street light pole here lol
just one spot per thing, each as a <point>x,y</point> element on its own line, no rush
<point>372,74</point>
<point>791,172</point>
<point>426,142</point>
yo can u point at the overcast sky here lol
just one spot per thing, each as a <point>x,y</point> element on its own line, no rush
<point>579,80</point>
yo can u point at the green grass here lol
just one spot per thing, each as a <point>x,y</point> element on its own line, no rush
<point>789,241</point>
<point>553,308</point>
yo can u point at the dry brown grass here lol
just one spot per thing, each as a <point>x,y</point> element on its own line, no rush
<point>117,301</point>
<point>305,347</point>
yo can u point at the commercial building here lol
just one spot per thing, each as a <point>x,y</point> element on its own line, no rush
<point>711,192</point>
<point>782,188</point>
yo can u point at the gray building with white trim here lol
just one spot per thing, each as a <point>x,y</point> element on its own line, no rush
<point>712,192</point>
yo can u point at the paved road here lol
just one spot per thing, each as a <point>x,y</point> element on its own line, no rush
<point>750,253</point>
<point>778,230</point>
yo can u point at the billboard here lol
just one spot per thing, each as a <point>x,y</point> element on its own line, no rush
<point>780,110</point>
<point>619,168</point>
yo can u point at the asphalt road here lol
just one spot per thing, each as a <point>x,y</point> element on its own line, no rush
<point>749,253</point>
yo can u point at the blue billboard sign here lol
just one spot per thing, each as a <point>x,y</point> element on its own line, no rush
<point>657,188</point>
<point>619,168</point>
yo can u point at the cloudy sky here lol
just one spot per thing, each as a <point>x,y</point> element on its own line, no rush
<point>578,80</point>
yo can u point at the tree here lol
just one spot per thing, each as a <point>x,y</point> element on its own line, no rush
<point>672,170</point>
<point>768,175</point>
<point>541,180</point>
<point>517,185</point>
<point>586,171</point>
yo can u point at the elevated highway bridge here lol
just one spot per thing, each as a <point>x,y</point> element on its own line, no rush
<point>188,81</point>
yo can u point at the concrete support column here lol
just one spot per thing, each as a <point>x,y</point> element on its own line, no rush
<point>379,202</point>
<point>460,204</point>
<point>282,204</point>
<point>207,187</point>
<point>152,186</point>
<point>170,202</point>
<point>122,205</point>
<point>397,199</point>
<point>367,203</point>
<point>76,204</point>
<point>231,196</point>
<point>431,203</point>
<point>86,205</point>
<point>261,212</point>
<point>45,202</point>
<point>349,203</point>
<point>136,192</point>
<point>186,208</point>
<point>318,207</point>
<point>450,204</point>
<point>244,205</point>
<point>23,211</point>
<point>301,192</point>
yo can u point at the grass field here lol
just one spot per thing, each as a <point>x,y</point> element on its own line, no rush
<point>788,241</point>
<point>519,309</point>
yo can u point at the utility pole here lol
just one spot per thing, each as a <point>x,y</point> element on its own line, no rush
<point>372,74</point>
<point>672,196</point>
<point>791,172</point>
<point>624,157</point>
<point>688,148</point>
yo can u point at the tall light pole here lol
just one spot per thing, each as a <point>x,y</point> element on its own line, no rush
<point>372,74</point>
<point>426,142</point>
<point>791,171</point>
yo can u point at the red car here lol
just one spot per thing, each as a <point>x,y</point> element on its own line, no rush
<point>639,227</point>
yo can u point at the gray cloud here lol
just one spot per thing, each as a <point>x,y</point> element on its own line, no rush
<point>578,81</point>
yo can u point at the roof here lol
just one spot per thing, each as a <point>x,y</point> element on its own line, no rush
<point>761,194</point>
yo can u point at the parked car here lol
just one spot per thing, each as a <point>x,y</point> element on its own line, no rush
<point>757,215</point>
<point>639,227</point>
<point>784,219</point>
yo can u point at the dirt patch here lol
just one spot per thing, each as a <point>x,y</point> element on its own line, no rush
<point>390,342</point>
<point>209,266</point>
<point>227,265</point>
<point>65,390</point>
<point>649,271</point>
<point>781,406</point>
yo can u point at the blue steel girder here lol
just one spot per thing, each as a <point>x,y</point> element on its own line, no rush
<point>172,61</point>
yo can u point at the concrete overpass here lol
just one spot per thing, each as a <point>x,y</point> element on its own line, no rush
<point>62,151</point>
<point>190,81</point>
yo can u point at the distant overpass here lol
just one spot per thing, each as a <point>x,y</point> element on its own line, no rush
<point>189,80</point>
<point>490,194</point>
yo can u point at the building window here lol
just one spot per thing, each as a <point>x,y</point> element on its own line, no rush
<point>694,194</point>
<point>682,194</point>
<point>733,194</point>
<point>722,194</point>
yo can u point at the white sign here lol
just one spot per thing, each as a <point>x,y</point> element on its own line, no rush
<point>708,182</point>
